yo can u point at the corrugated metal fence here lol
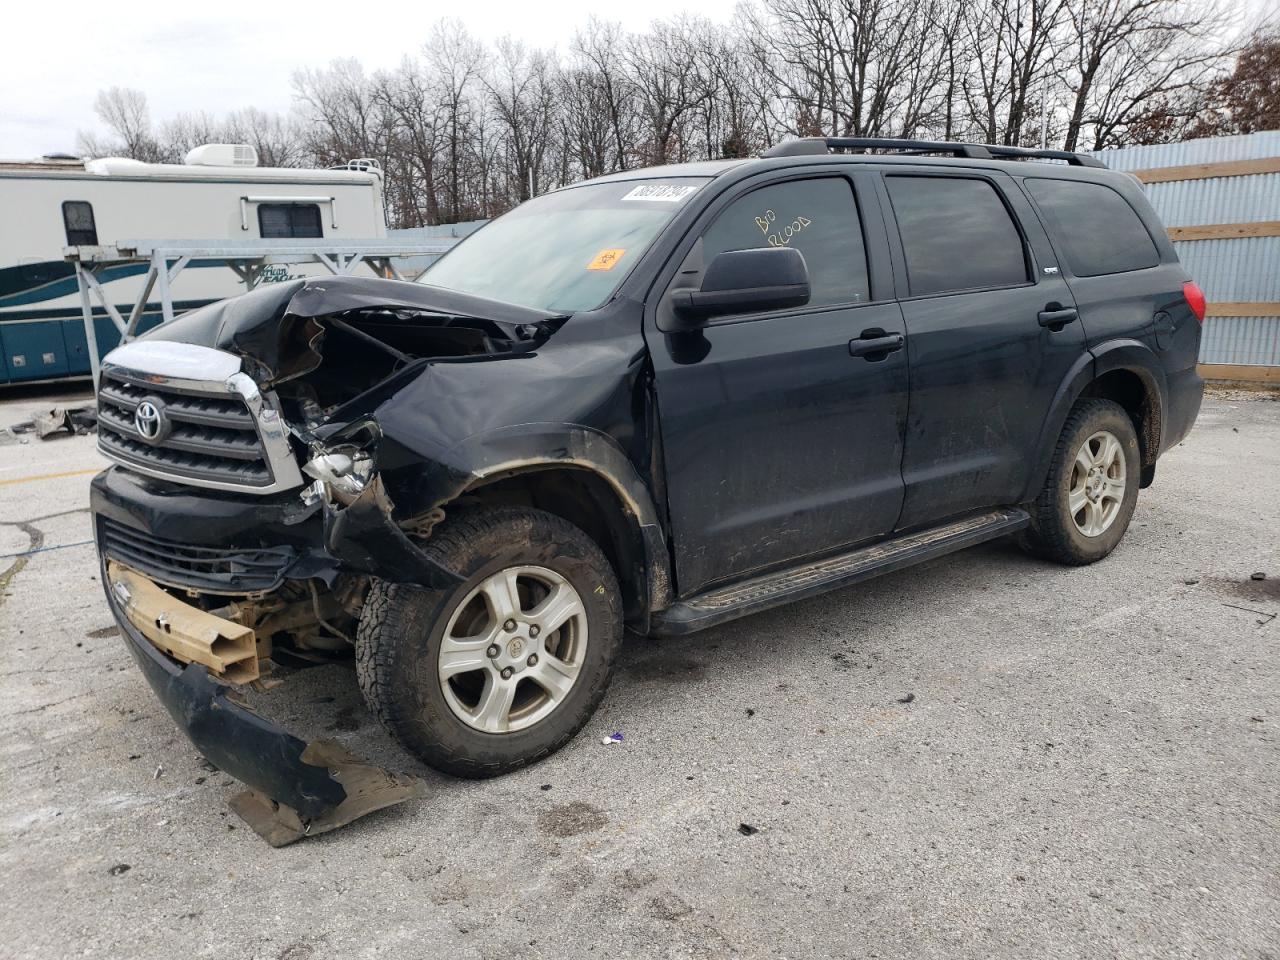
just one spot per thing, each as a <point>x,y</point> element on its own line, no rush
<point>1228,188</point>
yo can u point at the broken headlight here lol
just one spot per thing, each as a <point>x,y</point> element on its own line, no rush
<point>341,469</point>
<point>339,476</point>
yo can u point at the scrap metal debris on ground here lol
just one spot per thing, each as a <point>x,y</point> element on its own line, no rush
<point>368,788</point>
<point>72,421</point>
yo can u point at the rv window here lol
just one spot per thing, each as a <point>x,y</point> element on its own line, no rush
<point>77,217</point>
<point>289,221</point>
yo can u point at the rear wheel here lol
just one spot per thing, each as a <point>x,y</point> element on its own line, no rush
<point>1089,496</point>
<point>505,668</point>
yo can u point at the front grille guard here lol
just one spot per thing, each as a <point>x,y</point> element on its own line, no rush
<point>204,370</point>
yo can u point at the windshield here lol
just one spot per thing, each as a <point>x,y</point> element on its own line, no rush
<point>565,251</point>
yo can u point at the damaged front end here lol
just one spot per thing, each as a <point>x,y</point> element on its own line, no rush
<point>297,789</point>
<point>254,497</point>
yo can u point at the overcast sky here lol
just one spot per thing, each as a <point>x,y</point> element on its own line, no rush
<point>221,57</point>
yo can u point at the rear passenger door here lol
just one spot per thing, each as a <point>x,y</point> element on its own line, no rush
<point>991,333</point>
<point>1114,269</point>
<point>781,435</point>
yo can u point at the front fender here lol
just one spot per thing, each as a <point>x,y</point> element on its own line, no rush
<point>533,446</point>
<point>425,484</point>
<point>515,448</point>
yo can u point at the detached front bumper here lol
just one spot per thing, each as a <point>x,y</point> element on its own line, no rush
<point>296,788</point>
<point>236,740</point>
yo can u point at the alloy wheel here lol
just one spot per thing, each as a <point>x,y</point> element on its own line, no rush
<point>513,649</point>
<point>1097,487</point>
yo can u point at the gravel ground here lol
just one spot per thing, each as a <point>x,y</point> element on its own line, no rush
<point>982,757</point>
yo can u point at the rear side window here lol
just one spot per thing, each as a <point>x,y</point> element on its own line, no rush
<point>77,217</point>
<point>817,217</point>
<point>1100,231</point>
<point>957,235</point>
<point>278,221</point>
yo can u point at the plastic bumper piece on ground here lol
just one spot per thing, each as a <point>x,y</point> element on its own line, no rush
<point>297,789</point>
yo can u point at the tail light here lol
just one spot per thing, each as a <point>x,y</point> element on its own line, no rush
<point>1195,299</point>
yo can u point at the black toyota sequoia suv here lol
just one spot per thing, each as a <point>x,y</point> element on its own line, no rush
<point>657,400</point>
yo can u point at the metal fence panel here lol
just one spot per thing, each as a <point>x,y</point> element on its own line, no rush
<point>1244,270</point>
<point>1195,203</point>
<point>1244,340</point>
<point>1246,146</point>
<point>1234,270</point>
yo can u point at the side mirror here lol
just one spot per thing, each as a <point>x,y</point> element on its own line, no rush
<point>746,281</point>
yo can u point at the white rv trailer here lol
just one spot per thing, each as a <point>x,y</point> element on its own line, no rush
<point>219,192</point>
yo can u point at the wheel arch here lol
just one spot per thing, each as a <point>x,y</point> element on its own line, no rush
<point>1124,371</point>
<point>1130,374</point>
<point>584,477</point>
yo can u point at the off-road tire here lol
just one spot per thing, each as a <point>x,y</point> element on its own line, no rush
<point>401,627</point>
<point>1053,534</point>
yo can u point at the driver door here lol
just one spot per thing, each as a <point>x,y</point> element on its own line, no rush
<point>781,439</point>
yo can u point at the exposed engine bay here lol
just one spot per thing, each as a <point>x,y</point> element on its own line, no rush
<point>329,361</point>
<point>320,344</point>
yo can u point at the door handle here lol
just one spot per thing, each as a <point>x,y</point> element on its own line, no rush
<point>1057,316</point>
<point>868,347</point>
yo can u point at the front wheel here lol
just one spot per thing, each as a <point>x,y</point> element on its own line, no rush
<point>505,668</point>
<point>1092,488</point>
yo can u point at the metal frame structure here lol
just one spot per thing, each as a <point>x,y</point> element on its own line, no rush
<point>166,259</point>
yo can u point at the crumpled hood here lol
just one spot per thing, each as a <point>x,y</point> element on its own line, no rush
<point>261,325</point>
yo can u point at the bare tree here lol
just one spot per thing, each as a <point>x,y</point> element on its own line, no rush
<point>465,130</point>
<point>278,140</point>
<point>343,118</point>
<point>856,67</point>
<point>598,51</point>
<point>409,96</point>
<point>1122,56</point>
<point>457,62</point>
<point>522,93</point>
<point>1010,46</point>
<point>667,88</point>
<point>124,112</point>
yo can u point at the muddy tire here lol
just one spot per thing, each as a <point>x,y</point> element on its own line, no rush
<point>503,670</point>
<point>1089,496</point>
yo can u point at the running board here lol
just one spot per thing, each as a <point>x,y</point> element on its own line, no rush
<point>796,583</point>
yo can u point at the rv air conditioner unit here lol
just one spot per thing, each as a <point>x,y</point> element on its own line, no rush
<point>223,155</point>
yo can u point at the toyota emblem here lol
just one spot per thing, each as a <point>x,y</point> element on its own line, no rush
<point>149,420</point>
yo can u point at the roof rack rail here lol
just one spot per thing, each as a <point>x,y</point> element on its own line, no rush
<point>814,146</point>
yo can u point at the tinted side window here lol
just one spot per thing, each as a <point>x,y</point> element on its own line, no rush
<point>817,217</point>
<point>289,221</point>
<point>1100,231</point>
<point>957,234</point>
<point>77,217</point>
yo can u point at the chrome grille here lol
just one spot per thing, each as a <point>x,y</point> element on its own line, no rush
<point>183,412</point>
<point>212,437</point>
<point>208,569</point>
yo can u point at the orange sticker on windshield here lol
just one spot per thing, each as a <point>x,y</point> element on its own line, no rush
<point>606,259</point>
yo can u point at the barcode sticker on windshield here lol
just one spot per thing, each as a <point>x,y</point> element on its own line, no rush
<point>661,192</point>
